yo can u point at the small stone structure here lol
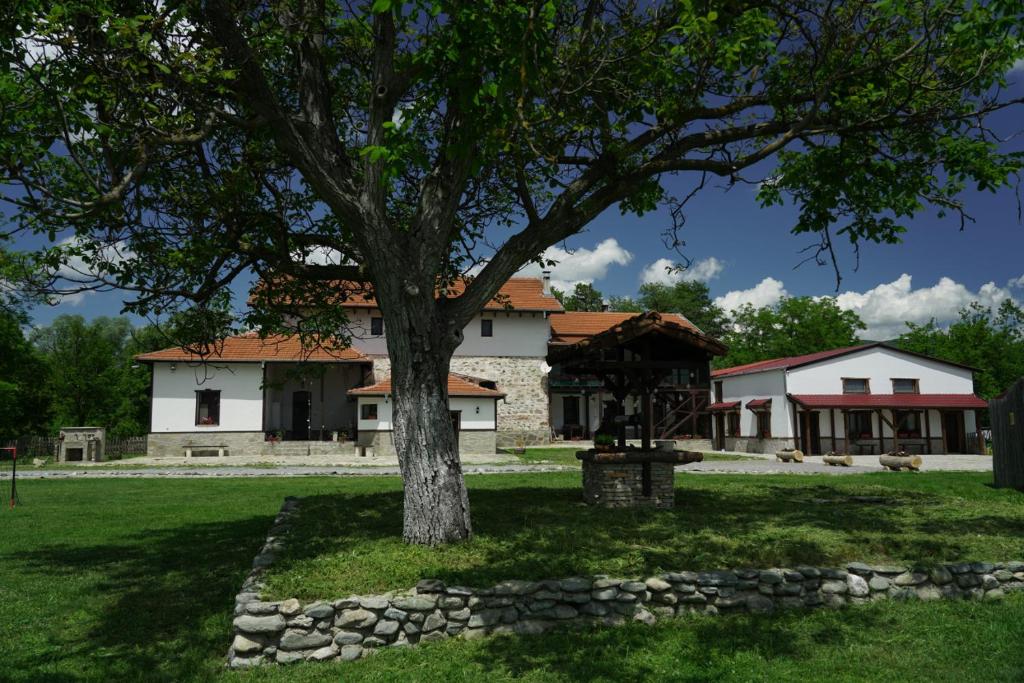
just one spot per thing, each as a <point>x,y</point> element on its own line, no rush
<point>632,478</point>
<point>286,631</point>
<point>82,444</point>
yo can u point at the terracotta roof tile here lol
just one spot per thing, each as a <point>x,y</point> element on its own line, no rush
<point>725,405</point>
<point>458,385</point>
<point>573,326</point>
<point>889,400</point>
<point>788,362</point>
<point>519,293</point>
<point>250,347</point>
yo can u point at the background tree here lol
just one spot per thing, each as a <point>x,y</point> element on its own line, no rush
<point>691,299</point>
<point>23,400</point>
<point>991,340</point>
<point>792,327</point>
<point>170,147</point>
<point>583,298</point>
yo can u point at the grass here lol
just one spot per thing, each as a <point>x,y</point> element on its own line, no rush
<point>567,456</point>
<point>134,580</point>
<point>534,527</point>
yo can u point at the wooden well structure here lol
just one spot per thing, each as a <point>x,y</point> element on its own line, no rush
<point>635,358</point>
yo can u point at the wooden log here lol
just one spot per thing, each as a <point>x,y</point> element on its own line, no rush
<point>898,461</point>
<point>844,460</point>
<point>790,455</point>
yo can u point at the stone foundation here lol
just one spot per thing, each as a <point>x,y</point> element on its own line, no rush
<point>748,444</point>
<point>163,445</point>
<point>471,442</point>
<point>629,484</point>
<point>285,631</point>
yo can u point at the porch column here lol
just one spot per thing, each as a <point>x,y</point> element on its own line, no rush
<point>646,417</point>
<point>927,431</point>
<point>832,427</point>
<point>586,414</point>
<point>881,438</point>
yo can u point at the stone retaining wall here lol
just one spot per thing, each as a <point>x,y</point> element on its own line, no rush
<point>348,628</point>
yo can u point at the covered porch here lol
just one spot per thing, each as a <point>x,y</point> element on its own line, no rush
<point>310,401</point>
<point>873,424</point>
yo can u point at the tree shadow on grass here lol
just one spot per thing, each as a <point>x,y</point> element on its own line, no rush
<point>162,608</point>
<point>534,533</point>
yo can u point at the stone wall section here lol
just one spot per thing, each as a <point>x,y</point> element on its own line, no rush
<point>163,445</point>
<point>471,442</point>
<point>524,414</point>
<point>748,444</point>
<point>348,628</point>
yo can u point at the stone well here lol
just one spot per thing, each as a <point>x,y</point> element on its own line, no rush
<point>632,478</point>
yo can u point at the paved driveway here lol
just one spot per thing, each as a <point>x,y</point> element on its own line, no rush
<point>812,464</point>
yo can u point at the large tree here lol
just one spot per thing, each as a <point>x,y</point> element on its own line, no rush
<point>23,400</point>
<point>989,339</point>
<point>792,327</point>
<point>690,298</point>
<point>584,297</point>
<point>171,147</point>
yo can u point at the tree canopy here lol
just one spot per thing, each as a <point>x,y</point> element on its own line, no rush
<point>988,339</point>
<point>582,298</point>
<point>792,327</point>
<point>23,401</point>
<point>171,147</point>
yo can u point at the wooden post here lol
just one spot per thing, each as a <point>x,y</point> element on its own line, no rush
<point>881,439</point>
<point>807,446</point>
<point>586,414</point>
<point>927,431</point>
<point>942,425</point>
<point>846,430</point>
<point>796,424</point>
<point>978,435</point>
<point>832,427</point>
<point>646,417</point>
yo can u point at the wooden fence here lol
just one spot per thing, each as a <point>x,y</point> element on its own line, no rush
<point>47,446</point>
<point>1007,415</point>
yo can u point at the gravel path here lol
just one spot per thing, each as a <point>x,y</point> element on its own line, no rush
<point>812,465</point>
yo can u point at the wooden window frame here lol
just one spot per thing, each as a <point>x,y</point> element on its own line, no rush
<point>917,385</point>
<point>376,326</point>
<point>486,327</point>
<point>898,416</point>
<point>867,385</point>
<point>215,420</point>
<point>732,423</point>
<point>719,392</point>
<point>765,415</point>
<point>850,434</point>
<point>364,410</point>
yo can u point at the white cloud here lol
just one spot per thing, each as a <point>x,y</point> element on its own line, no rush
<point>887,308</point>
<point>1016,283</point>
<point>580,265</point>
<point>74,277</point>
<point>765,293</point>
<point>665,272</point>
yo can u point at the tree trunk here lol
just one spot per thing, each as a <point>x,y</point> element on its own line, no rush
<point>436,505</point>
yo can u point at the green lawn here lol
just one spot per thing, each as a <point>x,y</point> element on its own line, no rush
<point>567,456</point>
<point>134,580</point>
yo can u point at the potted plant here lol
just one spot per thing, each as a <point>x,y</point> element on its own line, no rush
<point>604,443</point>
<point>273,437</point>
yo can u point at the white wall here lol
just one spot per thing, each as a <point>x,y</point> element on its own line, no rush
<point>880,366</point>
<point>174,398</point>
<point>745,388</point>
<point>515,334</point>
<point>484,420</point>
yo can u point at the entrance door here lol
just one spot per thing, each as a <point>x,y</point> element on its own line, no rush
<point>571,416</point>
<point>810,432</point>
<point>953,427</point>
<point>720,431</point>
<point>300,415</point>
<point>456,416</point>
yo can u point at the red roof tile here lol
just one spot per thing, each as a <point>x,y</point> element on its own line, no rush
<point>458,385</point>
<point>519,293</point>
<point>784,363</point>
<point>889,400</point>
<point>573,326</point>
<point>251,348</point>
<point>725,405</point>
<point>759,403</point>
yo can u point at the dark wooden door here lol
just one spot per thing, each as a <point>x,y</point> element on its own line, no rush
<point>300,415</point>
<point>810,433</point>
<point>720,431</point>
<point>570,410</point>
<point>953,426</point>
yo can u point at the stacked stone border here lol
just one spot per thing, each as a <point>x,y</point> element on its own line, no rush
<point>345,629</point>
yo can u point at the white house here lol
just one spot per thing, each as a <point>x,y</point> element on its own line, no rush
<point>870,398</point>
<point>272,396</point>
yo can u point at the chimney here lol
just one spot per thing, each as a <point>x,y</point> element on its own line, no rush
<point>545,278</point>
<point>605,305</point>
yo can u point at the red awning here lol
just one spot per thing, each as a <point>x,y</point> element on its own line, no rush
<point>759,404</point>
<point>919,401</point>
<point>727,405</point>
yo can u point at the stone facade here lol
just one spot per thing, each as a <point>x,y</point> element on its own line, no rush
<point>524,414</point>
<point>471,442</point>
<point>174,444</point>
<point>285,631</point>
<point>622,484</point>
<point>749,444</point>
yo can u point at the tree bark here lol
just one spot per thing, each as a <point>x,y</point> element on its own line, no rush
<point>436,504</point>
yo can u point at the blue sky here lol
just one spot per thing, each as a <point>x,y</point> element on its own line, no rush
<point>747,254</point>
